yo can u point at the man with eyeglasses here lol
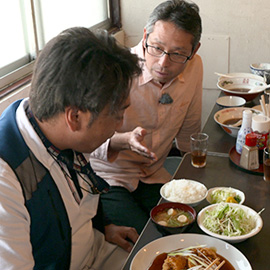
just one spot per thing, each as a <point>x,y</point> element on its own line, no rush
<point>166,103</point>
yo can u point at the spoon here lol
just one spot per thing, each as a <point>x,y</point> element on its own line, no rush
<point>258,88</point>
<point>237,124</point>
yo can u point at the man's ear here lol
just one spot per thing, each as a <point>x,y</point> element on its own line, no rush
<point>72,117</point>
<point>144,37</point>
<point>195,50</point>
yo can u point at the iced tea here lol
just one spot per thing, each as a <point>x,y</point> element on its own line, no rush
<point>266,164</point>
<point>198,146</point>
<point>198,159</point>
<point>266,169</point>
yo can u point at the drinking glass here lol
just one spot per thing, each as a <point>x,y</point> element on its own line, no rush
<point>198,146</point>
<point>266,164</point>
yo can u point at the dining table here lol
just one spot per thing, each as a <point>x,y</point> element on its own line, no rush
<point>221,171</point>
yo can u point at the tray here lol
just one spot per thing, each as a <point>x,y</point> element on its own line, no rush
<point>235,159</point>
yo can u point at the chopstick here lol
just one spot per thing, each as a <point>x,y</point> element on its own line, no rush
<point>267,109</point>
<point>220,265</point>
<point>263,105</point>
<point>213,262</point>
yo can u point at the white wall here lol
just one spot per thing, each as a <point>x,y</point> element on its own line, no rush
<point>236,33</point>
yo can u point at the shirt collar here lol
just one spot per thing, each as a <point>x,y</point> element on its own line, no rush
<point>31,138</point>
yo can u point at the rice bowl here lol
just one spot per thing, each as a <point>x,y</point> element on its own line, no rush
<point>184,191</point>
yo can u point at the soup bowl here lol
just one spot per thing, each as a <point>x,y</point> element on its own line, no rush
<point>260,68</point>
<point>173,218</point>
<point>239,86</point>
<point>228,116</point>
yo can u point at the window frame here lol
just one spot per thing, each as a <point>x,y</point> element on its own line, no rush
<point>22,76</point>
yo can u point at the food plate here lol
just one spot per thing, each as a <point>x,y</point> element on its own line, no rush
<point>148,253</point>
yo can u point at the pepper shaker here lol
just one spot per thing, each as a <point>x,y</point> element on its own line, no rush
<point>250,156</point>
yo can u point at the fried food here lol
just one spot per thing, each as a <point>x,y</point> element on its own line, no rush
<point>206,254</point>
<point>177,262</point>
<point>186,258</point>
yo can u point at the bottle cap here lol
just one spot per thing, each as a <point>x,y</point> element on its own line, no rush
<point>247,113</point>
<point>251,139</point>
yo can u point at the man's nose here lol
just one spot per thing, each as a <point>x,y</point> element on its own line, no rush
<point>164,60</point>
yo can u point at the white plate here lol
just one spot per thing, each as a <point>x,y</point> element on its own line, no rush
<point>231,101</point>
<point>148,253</point>
<point>236,191</point>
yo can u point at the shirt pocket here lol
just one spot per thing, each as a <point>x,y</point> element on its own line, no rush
<point>175,117</point>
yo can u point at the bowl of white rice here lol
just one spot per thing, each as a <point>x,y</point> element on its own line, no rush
<point>185,191</point>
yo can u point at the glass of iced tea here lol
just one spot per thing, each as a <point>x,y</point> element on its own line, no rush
<point>198,146</point>
<point>266,164</point>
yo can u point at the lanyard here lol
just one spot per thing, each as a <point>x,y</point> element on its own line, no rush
<point>97,184</point>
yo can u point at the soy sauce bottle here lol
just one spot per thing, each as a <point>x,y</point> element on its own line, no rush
<point>244,130</point>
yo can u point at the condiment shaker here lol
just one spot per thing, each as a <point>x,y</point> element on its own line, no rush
<point>249,156</point>
<point>244,130</point>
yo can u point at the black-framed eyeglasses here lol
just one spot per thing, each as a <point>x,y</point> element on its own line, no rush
<point>174,57</point>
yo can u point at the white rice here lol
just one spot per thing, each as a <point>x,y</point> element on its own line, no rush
<point>184,191</point>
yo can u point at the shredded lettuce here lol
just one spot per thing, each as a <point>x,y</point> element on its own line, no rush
<point>222,195</point>
<point>229,221</point>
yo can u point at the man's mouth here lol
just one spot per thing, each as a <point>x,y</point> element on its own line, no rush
<point>160,73</point>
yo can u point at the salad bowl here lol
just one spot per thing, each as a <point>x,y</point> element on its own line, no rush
<point>239,222</point>
<point>225,194</point>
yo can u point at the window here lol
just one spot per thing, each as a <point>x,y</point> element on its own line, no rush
<point>27,25</point>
